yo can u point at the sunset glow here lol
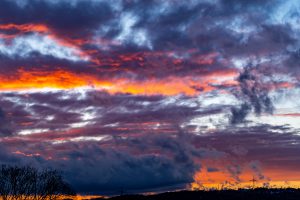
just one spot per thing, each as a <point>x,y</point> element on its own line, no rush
<point>150,96</point>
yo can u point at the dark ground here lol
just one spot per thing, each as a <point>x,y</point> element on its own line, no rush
<point>256,194</point>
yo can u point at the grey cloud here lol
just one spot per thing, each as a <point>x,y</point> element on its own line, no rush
<point>254,95</point>
<point>6,128</point>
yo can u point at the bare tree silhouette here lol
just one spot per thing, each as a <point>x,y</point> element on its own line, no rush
<point>24,183</point>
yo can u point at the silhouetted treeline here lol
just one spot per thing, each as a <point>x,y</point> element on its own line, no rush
<point>256,194</point>
<point>22,183</point>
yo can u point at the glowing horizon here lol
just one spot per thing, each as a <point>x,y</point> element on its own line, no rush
<point>177,94</point>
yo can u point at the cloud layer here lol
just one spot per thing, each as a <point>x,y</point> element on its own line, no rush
<point>157,91</point>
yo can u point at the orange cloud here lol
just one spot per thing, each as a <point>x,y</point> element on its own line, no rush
<point>60,79</point>
<point>25,80</point>
<point>25,27</point>
<point>169,86</point>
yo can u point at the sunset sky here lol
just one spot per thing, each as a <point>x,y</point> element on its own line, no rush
<point>152,95</point>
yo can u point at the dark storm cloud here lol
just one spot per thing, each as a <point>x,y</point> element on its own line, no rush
<point>134,164</point>
<point>133,146</point>
<point>63,17</point>
<point>254,94</point>
<point>159,160</point>
<point>5,124</point>
<point>238,114</point>
<point>136,172</point>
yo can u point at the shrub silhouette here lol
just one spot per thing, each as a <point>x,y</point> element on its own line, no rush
<point>30,183</point>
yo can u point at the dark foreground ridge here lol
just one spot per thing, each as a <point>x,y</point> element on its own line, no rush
<point>242,194</point>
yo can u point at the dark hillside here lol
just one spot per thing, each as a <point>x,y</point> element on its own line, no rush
<point>257,194</point>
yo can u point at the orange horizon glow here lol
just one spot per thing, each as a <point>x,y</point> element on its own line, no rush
<point>219,180</point>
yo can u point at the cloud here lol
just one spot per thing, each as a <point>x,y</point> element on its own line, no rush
<point>239,114</point>
<point>118,169</point>
<point>256,167</point>
<point>27,46</point>
<point>254,93</point>
<point>155,161</point>
<point>158,160</point>
<point>80,16</point>
<point>5,124</point>
<point>136,94</point>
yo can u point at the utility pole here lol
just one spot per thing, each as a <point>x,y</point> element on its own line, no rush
<point>122,191</point>
<point>253,180</point>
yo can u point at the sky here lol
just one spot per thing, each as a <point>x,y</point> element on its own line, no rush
<point>153,95</point>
